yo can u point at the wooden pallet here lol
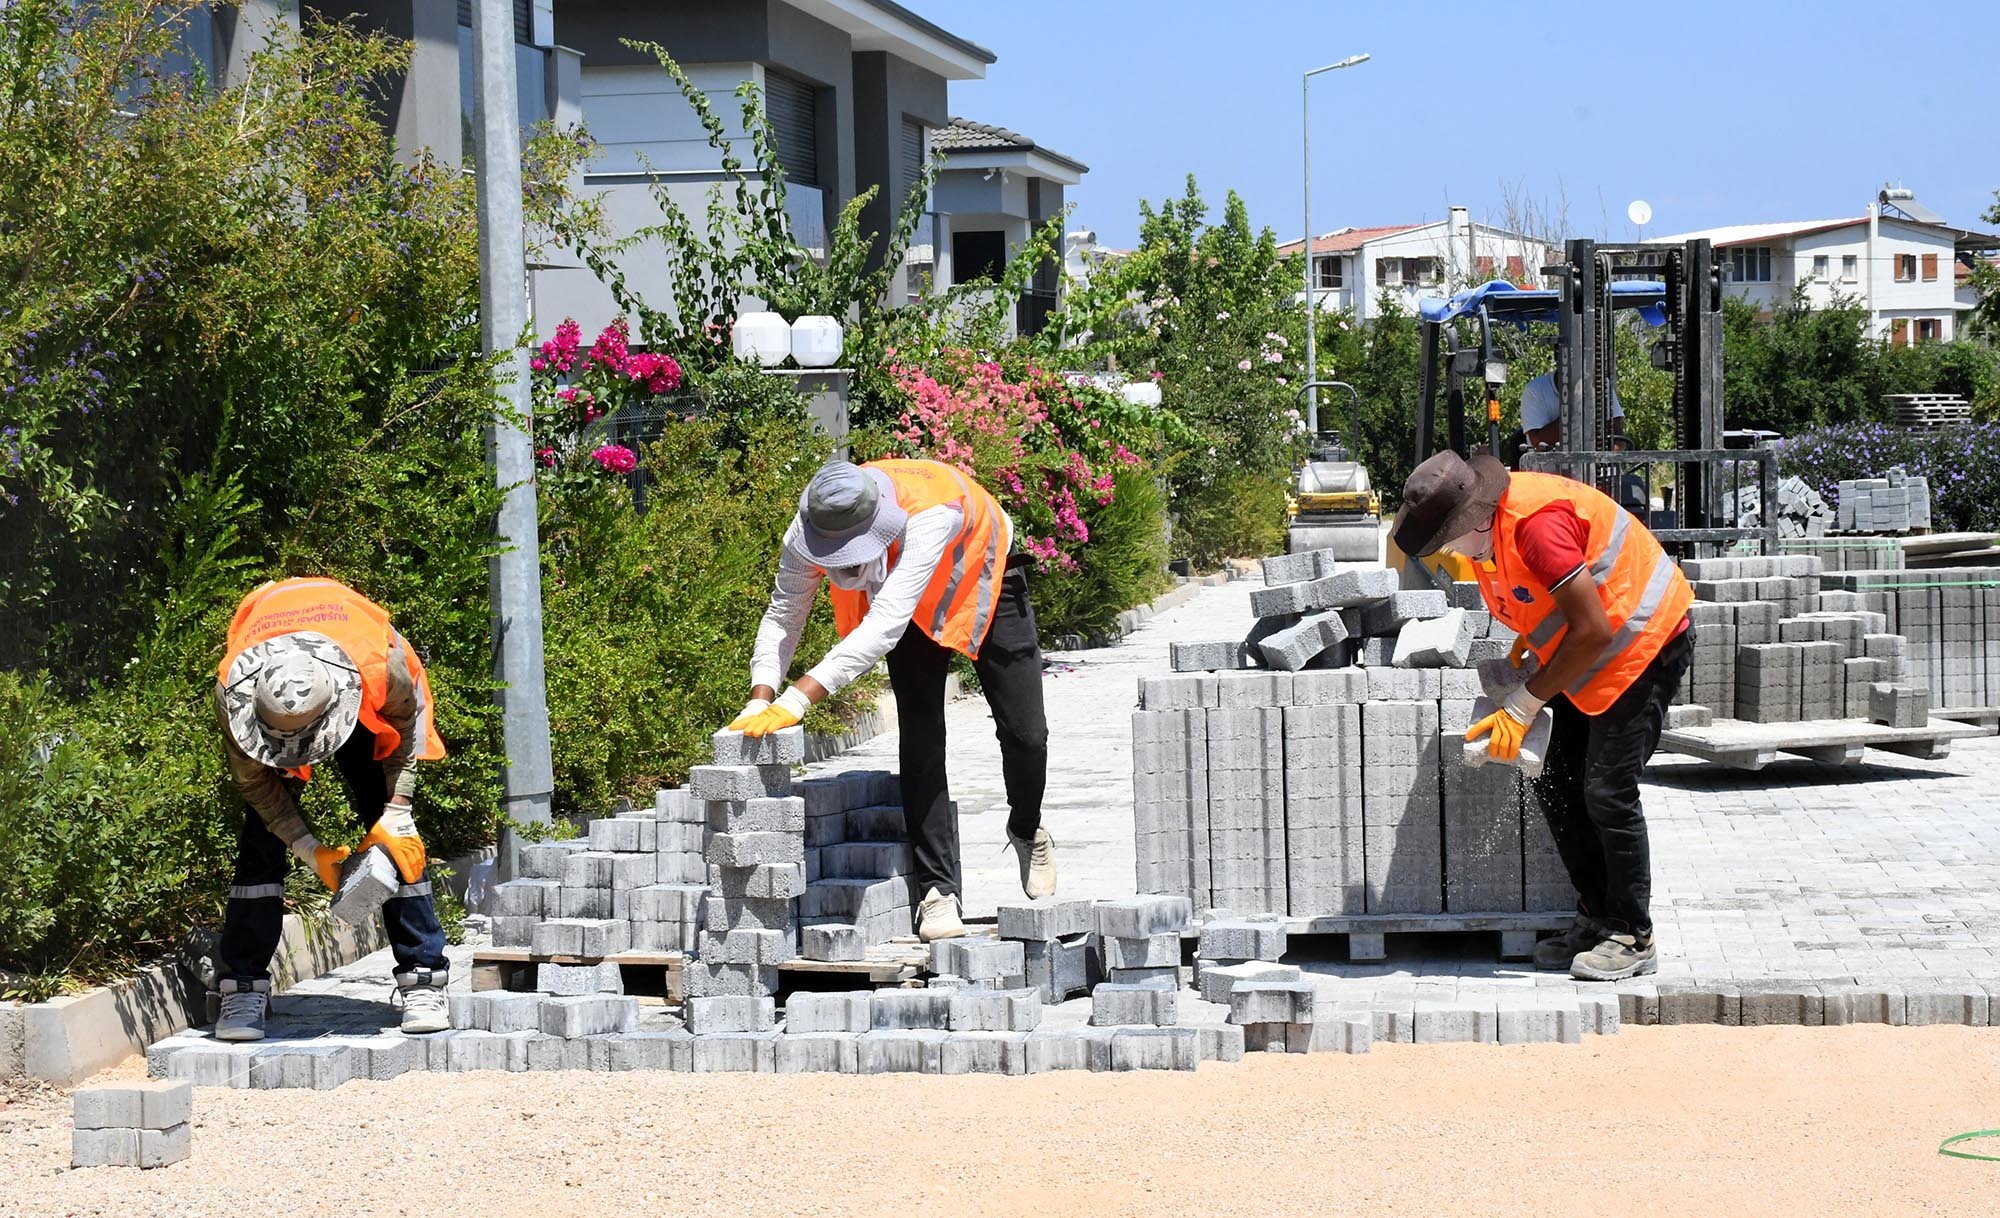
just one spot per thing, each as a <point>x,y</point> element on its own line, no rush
<point>1752,746</point>
<point>896,963</point>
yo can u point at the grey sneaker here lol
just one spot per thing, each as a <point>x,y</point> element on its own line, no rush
<point>424,1006</point>
<point>937,917</point>
<point>1617,957</point>
<point>244,1005</point>
<point>1038,863</point>
<point>1556,952</point>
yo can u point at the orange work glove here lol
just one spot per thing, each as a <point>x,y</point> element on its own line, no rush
<point>324,860</point>
<point>396,832</point>
<point>751,709</point>
<point>1508,726</point>
<point>1517,655</point>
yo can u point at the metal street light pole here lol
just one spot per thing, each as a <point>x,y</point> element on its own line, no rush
<point>516,573</point>
<point>1312,305</point>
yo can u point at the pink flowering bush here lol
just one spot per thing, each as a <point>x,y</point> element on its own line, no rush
<point>576,386</point>
<point>1047,449</point>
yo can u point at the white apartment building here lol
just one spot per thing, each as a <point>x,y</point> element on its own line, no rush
<point>1898,260</point>
<point>1354,267</point>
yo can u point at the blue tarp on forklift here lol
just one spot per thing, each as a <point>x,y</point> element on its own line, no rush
<point>1506,302</point>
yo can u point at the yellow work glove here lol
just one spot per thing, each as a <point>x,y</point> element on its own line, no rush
<point>1518,653</point>
<point>324,860</point>
<point>1508,726</point>
<point>751,709</point>
<point>396,832</point>
<point>790,707</point>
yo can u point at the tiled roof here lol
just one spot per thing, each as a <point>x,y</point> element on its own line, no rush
<point>1347,240</point>
<point>965,135</point>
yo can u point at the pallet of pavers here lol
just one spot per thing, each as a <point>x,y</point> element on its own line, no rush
<point>1792,660</point>
<point>1313,770</point>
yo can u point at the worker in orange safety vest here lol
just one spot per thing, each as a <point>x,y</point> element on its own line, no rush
<point>1590,593</point>
<point>920,559</point>
<point>314,671</point>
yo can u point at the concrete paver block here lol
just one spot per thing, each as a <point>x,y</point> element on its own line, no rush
<point>785,747</point>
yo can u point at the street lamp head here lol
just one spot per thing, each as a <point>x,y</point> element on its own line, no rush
<point>1348,62</point>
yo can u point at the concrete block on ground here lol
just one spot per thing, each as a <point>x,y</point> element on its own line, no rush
<point>749,947</point>
<point>1047,918</point>
<point>736,1053</point>
<point>621,1051</point>
<point>1217,982</point>
<point>984,1052</point>
<point>906,1010</point>
<point>700,978</point>
<point>588,1015</point>
<point>1150,952</point>
<point>978,959</point>
<point>735,1013</point>
<point>974,1010</point>
<point>1050,1049</point>
<point>1271,1002</point>
<point>1155,1049</point>
<point>1138,917</point>
<point>1114,1005</point>
<point>1277,1037</point>
<point>810,1012</point>
<point>154,1103</point>
<point>1235,940</point>
<point>1899,705</point>
<point>833,941</point>
<point>818,1053</point>
<point>902,1051</point>
<point>1063,967</point>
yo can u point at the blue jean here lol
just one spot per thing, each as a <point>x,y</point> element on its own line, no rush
<point>255,917</point>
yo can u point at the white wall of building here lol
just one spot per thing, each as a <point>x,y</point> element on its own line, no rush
<point>1865,271</point>
<point>1431,260</point>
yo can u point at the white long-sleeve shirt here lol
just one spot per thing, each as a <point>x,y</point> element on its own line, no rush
<point>892,604</point>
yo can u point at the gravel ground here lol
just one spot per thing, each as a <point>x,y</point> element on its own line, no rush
<point>1713,1121</point>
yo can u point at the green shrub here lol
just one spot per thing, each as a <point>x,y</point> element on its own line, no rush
<point>1125,563</point>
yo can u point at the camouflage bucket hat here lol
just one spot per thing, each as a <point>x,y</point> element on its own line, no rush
<point>292,700</point>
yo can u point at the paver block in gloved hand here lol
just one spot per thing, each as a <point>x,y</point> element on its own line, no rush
<point>1534,746</point>
<point>784,747</point>
<point>366,881</point>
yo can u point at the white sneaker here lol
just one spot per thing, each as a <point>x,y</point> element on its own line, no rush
<point>937,917</point>
<point>1038,863</point>
<point>244,1005</point>
<point>424,1005</point>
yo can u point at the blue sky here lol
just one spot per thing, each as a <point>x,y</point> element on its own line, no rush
<point>1713,113</point>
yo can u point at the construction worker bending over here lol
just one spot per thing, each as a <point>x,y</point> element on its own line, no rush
<point>920,563</point>
<point>313,670</point>
<point>1604,609</point>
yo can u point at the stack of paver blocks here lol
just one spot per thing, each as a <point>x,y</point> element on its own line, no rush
<point>756,870</point>
<point>1895,503</point>
<point>1061,953</point>
<point>857,864</point>
<point>1326,793</point>
<point>142,1124</point>
<point>1776,641</point>
<point>1951,619</point>
<point>634,882</point>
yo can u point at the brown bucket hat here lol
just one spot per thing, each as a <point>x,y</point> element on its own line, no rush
<point>1447,497</point>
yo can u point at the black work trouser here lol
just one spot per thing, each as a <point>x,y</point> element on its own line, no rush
<point>1010,675</point>
<point>255,918</point>
<point>1589,791</point>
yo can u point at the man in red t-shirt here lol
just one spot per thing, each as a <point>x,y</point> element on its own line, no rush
<point>1560,562</point>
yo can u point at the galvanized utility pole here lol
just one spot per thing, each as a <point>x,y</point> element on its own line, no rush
<point>1312,305</point>
<point>516,573</point>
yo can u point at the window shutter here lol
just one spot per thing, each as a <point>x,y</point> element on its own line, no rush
<point>912,157</point>
<point>1899,333</point>
<point>791,107</point>
<point>1515,270</point>
<point>1930,267</point>
<point>1485,264</point>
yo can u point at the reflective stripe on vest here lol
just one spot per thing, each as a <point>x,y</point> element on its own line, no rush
<point>1641,587</point>
<point>955,611</point>
<point>362,630</point>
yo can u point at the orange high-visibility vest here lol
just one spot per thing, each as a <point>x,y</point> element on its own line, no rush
<point>361,628</point>
<point>1644,594</point>
<point>957,606</point>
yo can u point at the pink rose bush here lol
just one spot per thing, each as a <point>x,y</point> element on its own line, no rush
<point>575,386</point>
